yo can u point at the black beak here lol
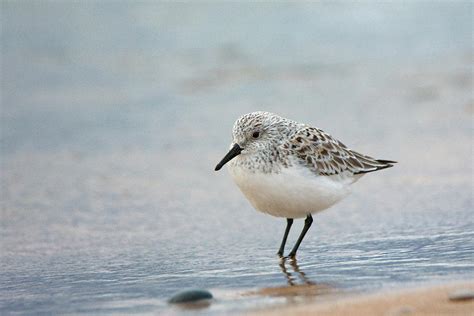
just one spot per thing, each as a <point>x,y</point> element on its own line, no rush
<point>233,152</point>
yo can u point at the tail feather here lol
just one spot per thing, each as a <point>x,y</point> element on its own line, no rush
<point>385,164</point>
<point>386,161</point>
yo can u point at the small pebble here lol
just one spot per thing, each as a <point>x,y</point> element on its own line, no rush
<point>190,296</point>
<point>461,295</point>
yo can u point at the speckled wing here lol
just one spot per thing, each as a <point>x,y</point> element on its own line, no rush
<point>327,156</point>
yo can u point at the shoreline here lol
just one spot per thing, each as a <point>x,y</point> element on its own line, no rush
<point>444,299</point>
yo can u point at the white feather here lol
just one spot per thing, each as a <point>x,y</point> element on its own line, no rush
<point>293,192</point>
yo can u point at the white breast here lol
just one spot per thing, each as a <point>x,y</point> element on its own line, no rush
<point>294,192</point>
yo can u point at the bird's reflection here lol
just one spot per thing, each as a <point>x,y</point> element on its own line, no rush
<point>299,285</point>
<point>292,278</point>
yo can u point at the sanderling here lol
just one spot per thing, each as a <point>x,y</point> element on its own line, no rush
<point>292,170</point>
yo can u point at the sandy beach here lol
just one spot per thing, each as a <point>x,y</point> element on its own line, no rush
<point>447,299</point>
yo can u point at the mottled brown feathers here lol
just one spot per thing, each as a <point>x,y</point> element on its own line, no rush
<point>325,155</point>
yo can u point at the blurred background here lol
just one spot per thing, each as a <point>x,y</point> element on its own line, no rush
<point>114,114</point>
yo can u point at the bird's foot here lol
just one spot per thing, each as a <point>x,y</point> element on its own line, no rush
<point>290,257</point>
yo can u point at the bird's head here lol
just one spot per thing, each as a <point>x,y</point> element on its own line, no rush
<point>251,134</point>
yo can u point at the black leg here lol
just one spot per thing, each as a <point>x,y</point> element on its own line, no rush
<point>289,222</point>
<point>307,224</point>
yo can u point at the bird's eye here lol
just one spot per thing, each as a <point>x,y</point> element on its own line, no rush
<point>256,134</point>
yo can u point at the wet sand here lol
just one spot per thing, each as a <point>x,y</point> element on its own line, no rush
<point>428,300</point>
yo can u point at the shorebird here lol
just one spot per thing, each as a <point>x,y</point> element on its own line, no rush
<point>292,170</point>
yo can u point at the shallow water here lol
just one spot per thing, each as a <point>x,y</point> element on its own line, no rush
<point>114,116</point>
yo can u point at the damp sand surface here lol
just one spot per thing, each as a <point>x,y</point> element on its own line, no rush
<point>446,299</point>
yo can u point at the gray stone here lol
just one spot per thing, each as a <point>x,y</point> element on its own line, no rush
<point>461,295</point>
<point>190,296</point>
